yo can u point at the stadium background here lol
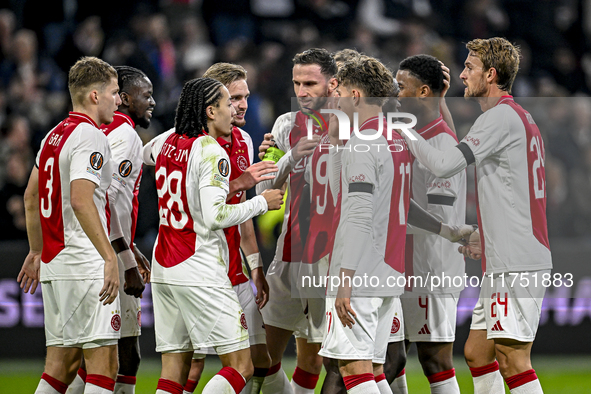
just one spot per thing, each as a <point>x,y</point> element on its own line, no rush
<point>175,40</point>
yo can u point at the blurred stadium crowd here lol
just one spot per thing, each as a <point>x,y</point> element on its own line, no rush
<point>175,40</point>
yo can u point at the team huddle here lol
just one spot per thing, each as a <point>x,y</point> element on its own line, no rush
<point>366,195</point>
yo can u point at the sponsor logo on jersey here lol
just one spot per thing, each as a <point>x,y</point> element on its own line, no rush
<point>497,327</point>
<point>444,184</point>
<point>474,141</point>
<point>116,322</point>
<point>395,326</point>
<point>223,167</point>
<point>96,160</point>
<point>424,330</point>
<point>125,168</point>
<point>243,321</point>
<point>242,163</point>
<point>357,178</point>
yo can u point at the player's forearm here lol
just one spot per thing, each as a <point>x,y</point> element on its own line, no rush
<point>285,165</point>
<point>446,114</point>
<point>357,230</point>
<point>443,164</point>
<point>32,218</point>
<point>421,218</point>
<point>90,221</point>
<point>218,215</point>
<point>248,239</point>
<point>334,166</point>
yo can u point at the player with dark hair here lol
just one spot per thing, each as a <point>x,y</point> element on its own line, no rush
<point>66,218</point>
<point>511,216</point>
<point>285,315</point>
<point>239,148</point>
<point>195,305</point>
<point>430,314</point>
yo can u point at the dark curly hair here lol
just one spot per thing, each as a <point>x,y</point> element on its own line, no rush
<point>426,69</point>
<point>196,96</point>
<point>319,56</point>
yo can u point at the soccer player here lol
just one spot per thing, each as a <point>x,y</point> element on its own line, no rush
<point>368,188</point>
<point>67,229</point>
<point>508,151</point>
<point>239,148</point>
<point>430,313</point>
<point>194,303</point>
<point>313,81</point>
<point>137,104</point>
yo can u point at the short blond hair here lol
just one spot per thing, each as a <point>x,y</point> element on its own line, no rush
<point>86,74</point>
<point>226,73</point>
<point>500,54</point>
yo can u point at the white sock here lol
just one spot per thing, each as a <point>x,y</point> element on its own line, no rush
<point>398,385</point>
<point>297,389</point>
<point>449,386</point>
<point>218,385</point>
<point>490,383</point>
<point>93,389</point>
<point>278,383</point>
<point>77,386</point>
<point>124,388</point>
<point>533,387</point>
<point>253,386</point>
<point>369,387</point>
<point>384,387</point>
<point>45,388</point>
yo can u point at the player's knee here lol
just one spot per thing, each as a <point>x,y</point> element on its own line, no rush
<point>310,362</point>
<point>470,354</point>
<point>434,360</point>
<point>395,360</point>
<point>129,356</point>
<point>260,356</point>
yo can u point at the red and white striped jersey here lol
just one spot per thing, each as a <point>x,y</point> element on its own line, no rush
<point>75,149</point>
<point>288,129</point>
<point>428,254</point>
<point>320,233</point>
<point>375,198</point>
<point>511,184</point>
<point>187,251</point>
<point>126,155</point>
<point>240,152</point>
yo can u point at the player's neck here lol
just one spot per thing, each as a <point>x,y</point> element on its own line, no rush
<point>88,112</point>
<point>426,116</point>
<point>492,98</point>
<point>367,112</point>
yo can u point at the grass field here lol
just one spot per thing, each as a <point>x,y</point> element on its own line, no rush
<point>558,375</point>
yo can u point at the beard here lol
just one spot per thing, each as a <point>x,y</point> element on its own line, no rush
<point>238,122</point>
<point>144,122</point>
<point>476,91</point>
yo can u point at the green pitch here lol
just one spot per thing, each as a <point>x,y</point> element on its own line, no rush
<point>558,375</point>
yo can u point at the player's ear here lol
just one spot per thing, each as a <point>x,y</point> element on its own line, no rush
<point>424,91</point>
<point>491,75</point>
<point>124,98</point>
<point>210,112</point>
<point>332,86</point>
<point>94,96</point>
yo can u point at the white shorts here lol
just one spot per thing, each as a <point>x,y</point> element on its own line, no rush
<point>190,317</point>
<point>506,311</point>
<point>429,317</point>
<point>254,320</point>
<point>131,310</point>
<point>313,298</point>
<point>74,316</point>
<point>368,338</point>
<point>283,310</point>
